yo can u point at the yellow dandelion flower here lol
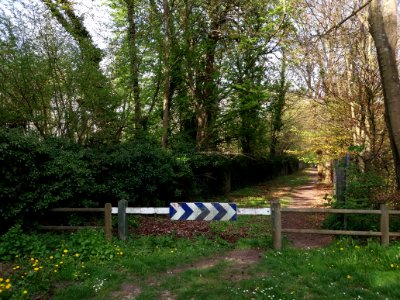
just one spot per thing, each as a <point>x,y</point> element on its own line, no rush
<point>56,266</point>
<point>32,259</point>
<point>1,279</point>
<point>77,254</point>
<point>341,249</point>
<point>8,286</point>
<point>1,291</point>
<point>36,269</point>
<point>392,265</point>
<point>51,257</point>
<point>7,280</point>
<point>34,265</point>
<point>61,262</point>
<point>40,267</point>
<point>65,250</point>
<point>25,292</point>
<point>55,271</point>
<point>348,277</point>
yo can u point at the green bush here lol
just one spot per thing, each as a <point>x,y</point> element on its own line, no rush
<point>16,243</point>
<point>37,174</point>
<point>138,171</point>
<point>360,191</point>
<point>20,169</point>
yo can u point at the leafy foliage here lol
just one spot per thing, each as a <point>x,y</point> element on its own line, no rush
<point>138,171</point>
<point>361,189</point>
<point>38,174</point>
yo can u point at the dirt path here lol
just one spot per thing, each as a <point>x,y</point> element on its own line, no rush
<point>298,190</point>
<point>239,264</point>
<point>311,194</point>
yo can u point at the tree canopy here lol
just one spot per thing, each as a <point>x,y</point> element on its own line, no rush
<point>251,77</point>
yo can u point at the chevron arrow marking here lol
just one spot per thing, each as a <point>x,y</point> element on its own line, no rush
<point>221,211</point>
<point>196,211</point>
<point>213,212</point>
<point>176,211</point>
<point>203,211</point>
<point>231,212</point>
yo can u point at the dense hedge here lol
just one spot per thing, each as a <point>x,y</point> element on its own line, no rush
<point>37,174</point>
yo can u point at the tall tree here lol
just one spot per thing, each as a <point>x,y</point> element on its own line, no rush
<point>336,59</point>
<point>98,103</point>
<point>167,66</point>
<point>383,27</point>
<point>134,61</point>
<point>278,105</point>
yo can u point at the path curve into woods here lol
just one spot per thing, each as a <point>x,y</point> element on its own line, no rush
<point>310,194</point>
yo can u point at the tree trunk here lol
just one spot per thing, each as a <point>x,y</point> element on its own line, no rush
<point>167,73</point>
<point>206,87</point>
<point>63,11</point>
<point>207,109</point>
<point>383,28</point>
<point>278,107</point>
<point>134,63</point>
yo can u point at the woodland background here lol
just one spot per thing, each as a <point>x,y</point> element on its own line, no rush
<point>169,99</point>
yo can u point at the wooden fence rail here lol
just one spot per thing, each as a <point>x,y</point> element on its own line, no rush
<point>276,213</point>
<point>107,210</point>
<point>277,229</point>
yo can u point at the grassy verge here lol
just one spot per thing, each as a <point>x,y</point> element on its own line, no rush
<point>341,271</point>
<point>85,266</point>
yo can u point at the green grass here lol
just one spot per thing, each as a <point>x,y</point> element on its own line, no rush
<point>341,271</point>
<point>345,270</point>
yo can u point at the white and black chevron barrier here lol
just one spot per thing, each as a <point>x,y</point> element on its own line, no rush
<point>185,211</point>
<point>203,211</point>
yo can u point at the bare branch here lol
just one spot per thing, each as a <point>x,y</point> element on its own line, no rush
<point>355,12</point>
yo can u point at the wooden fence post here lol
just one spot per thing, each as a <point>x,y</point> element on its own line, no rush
<point>108,221</point>
<point>276,224</point>
<point>384,225</point>
<point>122,220</point>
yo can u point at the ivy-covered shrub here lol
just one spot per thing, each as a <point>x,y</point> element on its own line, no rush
<point>37,174</point>
<point>140,172</point>
<point>20,170</point>
<point>361,189</point>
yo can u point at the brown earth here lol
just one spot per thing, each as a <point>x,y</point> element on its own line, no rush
<point>312,194</point>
